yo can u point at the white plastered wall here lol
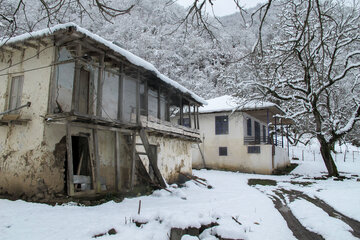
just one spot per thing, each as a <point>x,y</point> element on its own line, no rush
<point>238,158</point>
<point>174,156</point>
<point>25,162</point>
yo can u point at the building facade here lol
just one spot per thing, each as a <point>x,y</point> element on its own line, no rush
<point>240,138</point>
<point>82,116</point>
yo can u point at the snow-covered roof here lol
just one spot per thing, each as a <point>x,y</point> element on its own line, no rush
<point>132,58</point>
<point>228,103</point>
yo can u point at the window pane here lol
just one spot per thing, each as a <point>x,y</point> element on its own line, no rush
<point>264,134</point>
<point>129,101</point>
<point>153,102</point>
<point>65,82</point>
<point>16,91</point>
<point>222,151</point>
<point>249,130</point>
<point>110,96</point>
<point>221,125</point>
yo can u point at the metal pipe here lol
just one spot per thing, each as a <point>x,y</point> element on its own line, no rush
<point>28,104</point>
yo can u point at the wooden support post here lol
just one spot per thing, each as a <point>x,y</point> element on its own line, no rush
<point>189,114</point>
<point>100,87</point>
<point>194,115</point>
<point>133,160</point>
<point>97,161</point>
<point>159,103</point>
<point>146,98</point>
<point>121,93</point>
<point>181,112</point>
<point>75,95</point>
<point>70,170</point>
<point>197,117</point>
<point>167,116</point>
<point>53,83</point>
<point>118,160</point>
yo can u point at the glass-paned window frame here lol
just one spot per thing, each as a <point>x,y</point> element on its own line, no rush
<point>249,127</point>
<point>16,89</point>
<point>221,125</point>
<point>223,151</point>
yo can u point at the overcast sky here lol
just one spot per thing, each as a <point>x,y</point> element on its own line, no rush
<point>224,7</point>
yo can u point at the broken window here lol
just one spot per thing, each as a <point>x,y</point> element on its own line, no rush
<point>153,102</point>
<point>257,131</point>
<point>142,99</point>
<point>110,95</point>
<point>223,151</point>
<point>248,127</point>
<point>129,99</point>
<point>16,91</point>
<point>163,106</point>
<point>65,83</point>
<point>84,91</point>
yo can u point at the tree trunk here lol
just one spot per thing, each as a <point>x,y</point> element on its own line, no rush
<point>325,150</point>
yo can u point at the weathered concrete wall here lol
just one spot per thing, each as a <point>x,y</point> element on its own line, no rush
<point>281,158</point>
<point>174,156</point>
<point>26,165</point>
<point>238,158</point>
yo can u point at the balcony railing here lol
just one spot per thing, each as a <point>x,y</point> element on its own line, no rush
<point>254,140</point>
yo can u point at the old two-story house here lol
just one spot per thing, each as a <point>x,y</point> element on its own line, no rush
<point>241,137</point>
<point>82,116</point>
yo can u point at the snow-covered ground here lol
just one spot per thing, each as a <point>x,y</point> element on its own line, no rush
<point>193,205</point>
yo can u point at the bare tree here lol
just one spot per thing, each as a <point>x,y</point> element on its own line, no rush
<point>312,68</point>
<point>51,11</point>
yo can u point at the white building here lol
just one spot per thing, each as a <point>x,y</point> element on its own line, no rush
<point>238,138</point>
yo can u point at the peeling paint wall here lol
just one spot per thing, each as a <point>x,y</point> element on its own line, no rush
<point>174,156</point>
<point>238,158</point>
<point>26,165</point>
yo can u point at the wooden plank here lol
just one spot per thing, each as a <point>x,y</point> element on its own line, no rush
<point>189,113</point>
<point>100,86</point>
<point>70,170</point>
<point>118,160</point>
<point>197,117</point>
<point>152,158</point>
<point>194,115</point>
<point>146,98</point>
<point>97,186</point>
<point>53,82</point>
<point>92,158</point>
<point>159,102</point>
<point>133,159</point>
<point>181,112</point>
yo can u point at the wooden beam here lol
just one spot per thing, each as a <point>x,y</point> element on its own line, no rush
<point>28,44</point>
<point>189,114</point>
<point>146,98</point>
<point>118,160</point>
<point>197,117</point>
<point>97,187</point>
<point>133,160</point>
<point>159,102</point>
<point>53,82</point>
<point>181,111</point>
<point>100,86</point>
<point>194,115</point>
<point>70,170</point>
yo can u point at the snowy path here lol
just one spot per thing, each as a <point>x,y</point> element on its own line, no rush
<point>195,205</point>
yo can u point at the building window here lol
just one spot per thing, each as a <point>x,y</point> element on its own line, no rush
<point>248,124</point>
<point>223,151</point>
<point>257,132</point>
<point>264,134</point>
<point>16,91</point>
<point>253,149</point>
<point>221,125</point>
<point>186,122</point>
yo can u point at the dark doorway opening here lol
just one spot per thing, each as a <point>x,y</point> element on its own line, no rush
<point>81,163</point>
